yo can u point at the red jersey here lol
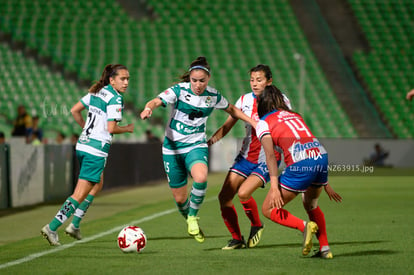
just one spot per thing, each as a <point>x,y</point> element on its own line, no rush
<point>251,148</point>
<point>290,133</point>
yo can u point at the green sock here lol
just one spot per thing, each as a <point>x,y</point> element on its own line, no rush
<point>198,192</point>
<point>183,208</point>
<point>81,210</point>
<point>67,209</point>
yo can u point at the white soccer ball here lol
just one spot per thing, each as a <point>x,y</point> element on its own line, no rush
<point>132,239</point>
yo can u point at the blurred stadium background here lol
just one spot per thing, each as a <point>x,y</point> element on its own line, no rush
<point>51,52</point>
<point>345,64</point>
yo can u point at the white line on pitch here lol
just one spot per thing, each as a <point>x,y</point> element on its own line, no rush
<point>88,239</point>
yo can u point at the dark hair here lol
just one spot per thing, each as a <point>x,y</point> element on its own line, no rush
<point>110,70</point>
<point>262,68</point>
<point>271,99</point>
<point>201,64</point>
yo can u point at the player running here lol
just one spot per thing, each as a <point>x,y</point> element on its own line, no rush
<point>306,168</point>
<point>185,147</point>
<point>105,105</point>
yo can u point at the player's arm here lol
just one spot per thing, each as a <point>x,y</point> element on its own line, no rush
<point>150,106</point>
<point>237,113</point>
<point>271,162</point>
<point>114,128</point>
<point>223,130</point>
<point>332,194</point>
<point>410,94</point>
<point>76,112</point>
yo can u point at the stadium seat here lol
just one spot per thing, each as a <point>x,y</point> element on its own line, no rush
<point>82,36</point>
<point>387,68</point>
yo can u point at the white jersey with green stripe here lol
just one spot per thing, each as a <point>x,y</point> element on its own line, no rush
<point>186,128</point>
<point>106,105</point>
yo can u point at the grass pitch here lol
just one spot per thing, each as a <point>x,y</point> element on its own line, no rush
<point>370,232</point>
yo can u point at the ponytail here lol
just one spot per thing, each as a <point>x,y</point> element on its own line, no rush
<point>108,72</point>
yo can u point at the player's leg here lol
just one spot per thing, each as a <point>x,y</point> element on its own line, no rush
<point>196,161</point>
<point>253,182</point>
<point>285,218</point>
<point>199,173</point>
<point>68,208</point>
<point>280,215</point>
<point>73,229</point>
<point>310,203</point>
<point>91,168</point>
<point>176,172</point>
<point>228,211</point>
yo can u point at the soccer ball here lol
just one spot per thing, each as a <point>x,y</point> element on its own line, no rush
<point>132,239</point>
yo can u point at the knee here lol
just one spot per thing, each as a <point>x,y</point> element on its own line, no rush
<point>180,198</point>
<point>243,195</point>
<point>266,211</point>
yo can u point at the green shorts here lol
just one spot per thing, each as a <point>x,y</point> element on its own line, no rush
<point>178,166</point>
<point>91,167</point>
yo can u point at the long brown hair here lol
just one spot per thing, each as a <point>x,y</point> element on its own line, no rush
<point>110,70</point>
<point>271,99</point>
<point>199,63</point>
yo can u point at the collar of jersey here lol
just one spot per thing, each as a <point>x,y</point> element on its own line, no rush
<point>111,89</point>
<point>268,114</point>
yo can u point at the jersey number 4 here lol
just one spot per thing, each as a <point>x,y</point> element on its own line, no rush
<point>91,123</point>
<point>297,125</point>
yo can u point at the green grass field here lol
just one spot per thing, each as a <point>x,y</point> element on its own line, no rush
<point>370,232</point>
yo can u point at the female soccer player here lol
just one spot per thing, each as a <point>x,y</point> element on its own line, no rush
<point>306,168</point>
<point>185,147</point>
<point>105,105</point>
<point>249,170</point>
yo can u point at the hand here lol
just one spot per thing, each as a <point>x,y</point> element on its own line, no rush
<point>410,94</point>
<point>276,200</point>
<point>332,194</point>
<point>211,141</point>
<point>130,128</point>
<point>146,113</point>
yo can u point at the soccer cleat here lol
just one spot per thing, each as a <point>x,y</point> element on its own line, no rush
<point>200,236</point>
<point>74,232</point>
<point>327,254</point>
<point>50,235</point>
<point>193,228</point>
<point>255,235</point>
<point>310,229</point>
<point>235,244</point>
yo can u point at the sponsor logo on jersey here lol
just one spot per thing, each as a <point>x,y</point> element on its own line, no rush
<point>208,101</point>
<point>181,128</point>
<point>305,151</point>
<point>84,139</point>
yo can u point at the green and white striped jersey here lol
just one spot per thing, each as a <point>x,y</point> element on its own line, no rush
<point>186,128</point>
<point>106,105</point>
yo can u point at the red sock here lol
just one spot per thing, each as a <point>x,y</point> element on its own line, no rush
<point>250,208</point>
<point>283,217</point>
<point>229,215</point>
<point>317,216</point>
